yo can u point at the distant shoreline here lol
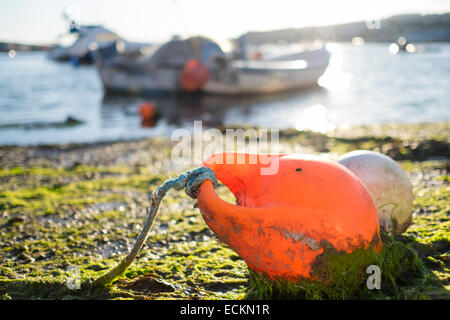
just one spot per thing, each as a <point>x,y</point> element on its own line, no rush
<point>420,141</point>
<point>405,131</point>
<point>415,27</point>
<point>6,47</point>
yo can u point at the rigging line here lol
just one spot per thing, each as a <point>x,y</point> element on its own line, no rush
<point>181,18</point>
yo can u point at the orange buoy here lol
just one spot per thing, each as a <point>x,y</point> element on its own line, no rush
<point>256,55</point>
<point>147,110</point>
<point>284,221</point>
<point>194,75</point>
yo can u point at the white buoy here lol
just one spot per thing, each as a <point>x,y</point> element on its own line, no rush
<point>387,184</point>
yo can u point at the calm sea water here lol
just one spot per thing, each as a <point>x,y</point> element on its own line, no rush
<point>363,85</point>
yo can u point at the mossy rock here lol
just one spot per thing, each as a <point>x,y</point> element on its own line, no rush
<point>343,276</point>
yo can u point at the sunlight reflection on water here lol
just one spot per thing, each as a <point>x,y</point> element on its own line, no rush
<point>315,118</point>
<point>335,77</point>
<point>363,85</point>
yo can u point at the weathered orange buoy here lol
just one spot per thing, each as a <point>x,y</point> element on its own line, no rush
<point>283,222</point>
<point>194,75</point>
<point>147,110</point>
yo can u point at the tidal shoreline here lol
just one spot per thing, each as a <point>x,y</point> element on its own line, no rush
<point>415,142</point>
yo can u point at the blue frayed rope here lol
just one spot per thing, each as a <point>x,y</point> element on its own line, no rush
<point>190,181</point>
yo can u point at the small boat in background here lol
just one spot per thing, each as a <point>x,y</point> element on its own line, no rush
<point>199,64</point>
<point>282,73</point>
<point>88,39</point>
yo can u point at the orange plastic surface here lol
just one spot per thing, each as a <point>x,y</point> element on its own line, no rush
<point>194,75</point>
<point>282,222</point>
<point>147,111</point>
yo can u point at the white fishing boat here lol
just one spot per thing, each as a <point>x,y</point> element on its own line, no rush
<point>199,64</point>
<point>87,39</point>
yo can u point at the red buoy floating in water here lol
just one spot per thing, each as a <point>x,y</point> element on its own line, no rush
<point>194,75</point>
<point>147,110</point>
<point>284,221</point>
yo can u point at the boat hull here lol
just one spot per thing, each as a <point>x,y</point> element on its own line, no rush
<point>157,73</point>
<point>241,81</point>
<point>160,80</point>
<point>266,81</point>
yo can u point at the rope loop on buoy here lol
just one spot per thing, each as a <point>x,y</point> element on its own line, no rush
<point>190,181</point>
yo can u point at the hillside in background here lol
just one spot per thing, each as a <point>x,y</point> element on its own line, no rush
<point>6,46</point>
<point>415,27</point>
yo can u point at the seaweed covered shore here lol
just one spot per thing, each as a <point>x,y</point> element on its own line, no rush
<point>70,212</point>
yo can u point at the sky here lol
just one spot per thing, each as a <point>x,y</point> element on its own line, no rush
<point>41,22</point>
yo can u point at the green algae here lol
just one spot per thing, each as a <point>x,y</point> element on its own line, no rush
<point>417,142</point>
<point>344,276</point>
